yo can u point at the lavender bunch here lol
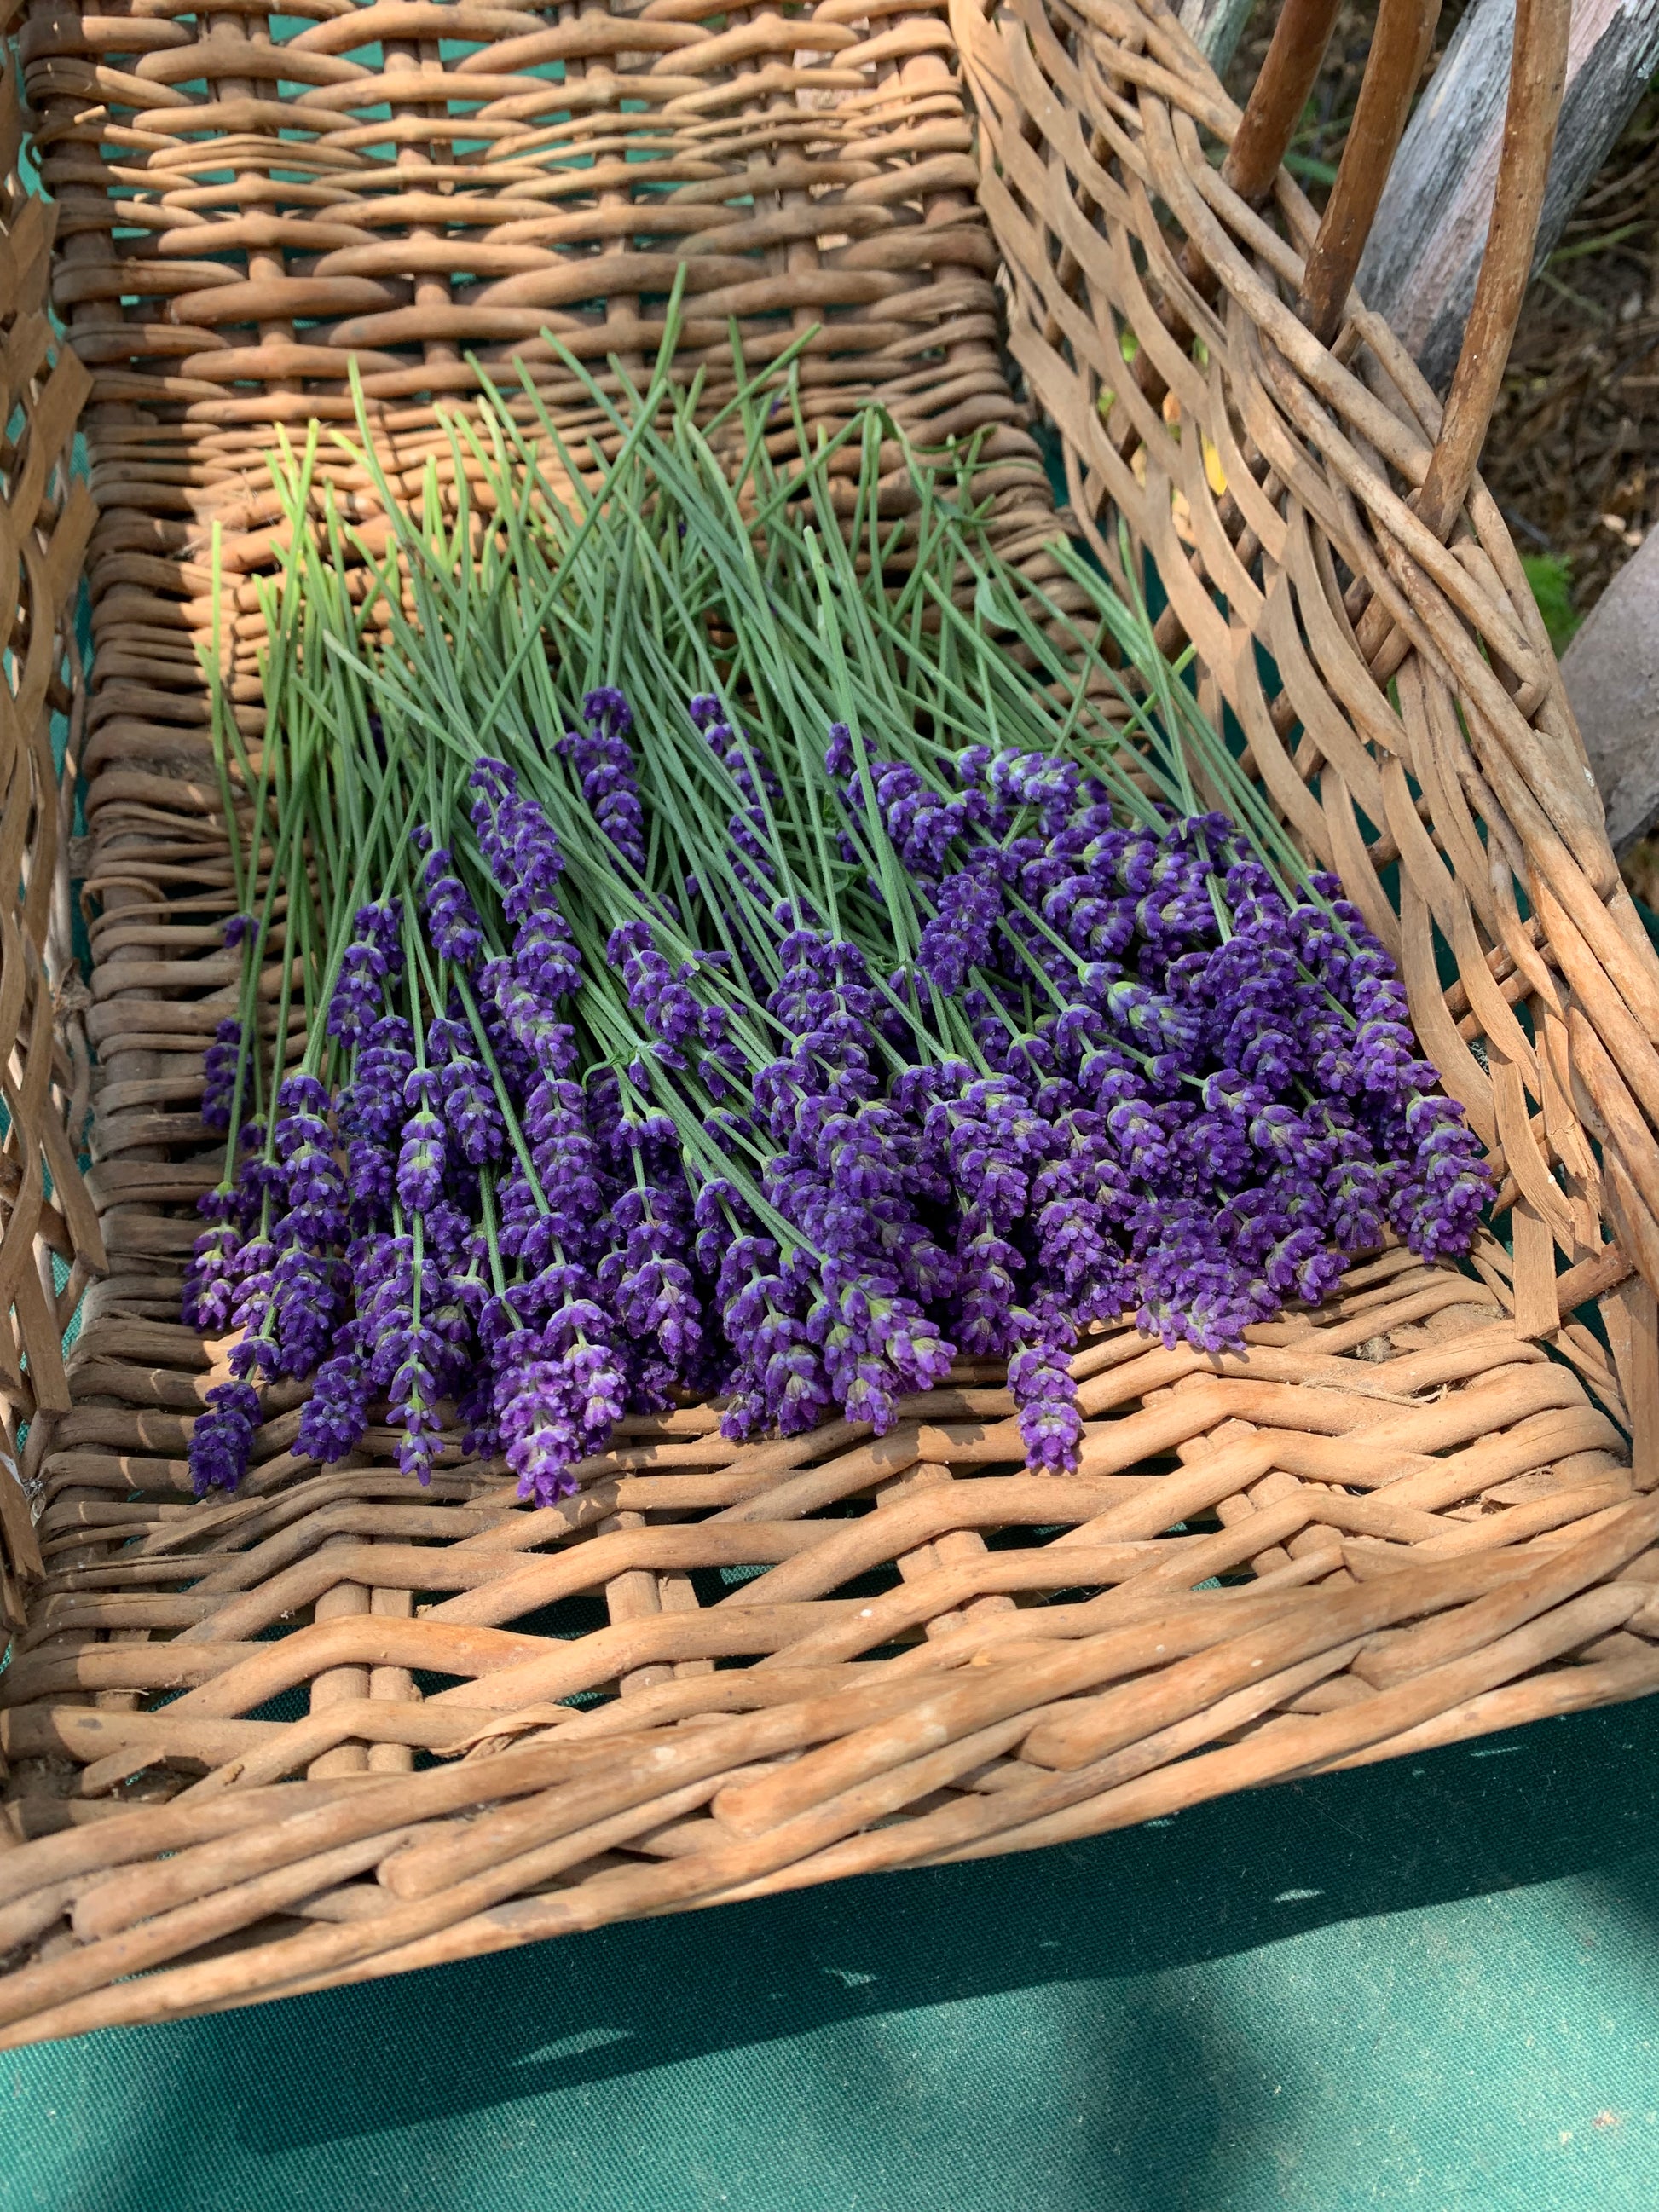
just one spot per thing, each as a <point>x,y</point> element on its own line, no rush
<point>733,978</point>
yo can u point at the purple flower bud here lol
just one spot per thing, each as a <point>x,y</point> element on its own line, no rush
<point>546,1042</point>
<point>457,933</point>
<point>220,1065</point>
<point>336,1412</point>
<point>304,1295</point>
<point>959,936</point>
<point>605,767</point>
<point>421,1161</point>
<point>221,1437</point>
<point>210,1281</point>
<point>516,840</point>
<point>371,963</point>
<point>414,1392</point>
<point>470,1109</point>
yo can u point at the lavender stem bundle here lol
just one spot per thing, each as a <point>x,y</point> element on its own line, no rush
<point>754,949</point>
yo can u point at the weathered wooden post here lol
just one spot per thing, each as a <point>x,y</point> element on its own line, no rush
<point>1216,27</point>
<point>1424,251</point>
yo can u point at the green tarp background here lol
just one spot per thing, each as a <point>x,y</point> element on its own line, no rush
<point>1432,1984</point>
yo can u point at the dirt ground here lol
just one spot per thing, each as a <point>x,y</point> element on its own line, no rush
<point>1573,453</point>
<point>1572,457</point>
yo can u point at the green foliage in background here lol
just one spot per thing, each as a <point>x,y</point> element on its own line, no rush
<point>1550,575</point>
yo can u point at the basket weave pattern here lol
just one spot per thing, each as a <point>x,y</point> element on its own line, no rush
<point>407,1725</point>
<point>45,1074</point>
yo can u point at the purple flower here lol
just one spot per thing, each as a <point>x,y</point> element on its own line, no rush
<point>647,1280</point>
<point>372,1105</point>
<point>781,1382</point>
<point>558,1394</point>
<point>313,1182</point>
<point>220,1065</point>
<point>383,1273</point>
<point>546,1042</point>
<point>1049,1422</point>
<point>304,1294</point>
<point>757,786</point>
<point>532,1418</point>
<point>516,840</point>
<point>452,918</point>
<point>211,1280</point>
<point>371,963</point>
<point>221,1437</point>
<point>605,767</point>
<point>960,935</point>
<point>920,823</point>
<point>471,1109</point>
<point>1036,779</point>
<point>657,992</point>
<point>336,1412</point>
<point>421,1155</point>
<point>413,1411</point>
<point>371,1180</point>
<point>475,1403</point>
<point>544,959</point>
<point>517,1067</point>
<point>567,1164</point>
<point>1442,1189</point>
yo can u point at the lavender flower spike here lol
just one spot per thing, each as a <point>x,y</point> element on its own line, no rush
<point>219,1068</point>
<point>373,960</point>
<point>221,1439</point>
<point>451,916</point>
<point>336,1412</point>
<point>604,765</point>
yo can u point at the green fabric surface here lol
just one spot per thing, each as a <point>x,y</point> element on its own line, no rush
<point>1432,1984</point>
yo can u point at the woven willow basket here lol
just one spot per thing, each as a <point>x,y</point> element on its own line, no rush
<point>338,1726</point>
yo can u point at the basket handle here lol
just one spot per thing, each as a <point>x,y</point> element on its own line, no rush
<point>1538,75</point>
<point>1400,48</point>
<point>1283,87</point>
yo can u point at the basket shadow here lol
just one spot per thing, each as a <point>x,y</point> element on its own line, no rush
<point>1560,1798</point>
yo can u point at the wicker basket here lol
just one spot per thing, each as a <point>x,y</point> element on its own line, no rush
<point>337,1726</point>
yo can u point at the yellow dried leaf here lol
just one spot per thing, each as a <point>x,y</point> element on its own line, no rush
<point>1214,475</point>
